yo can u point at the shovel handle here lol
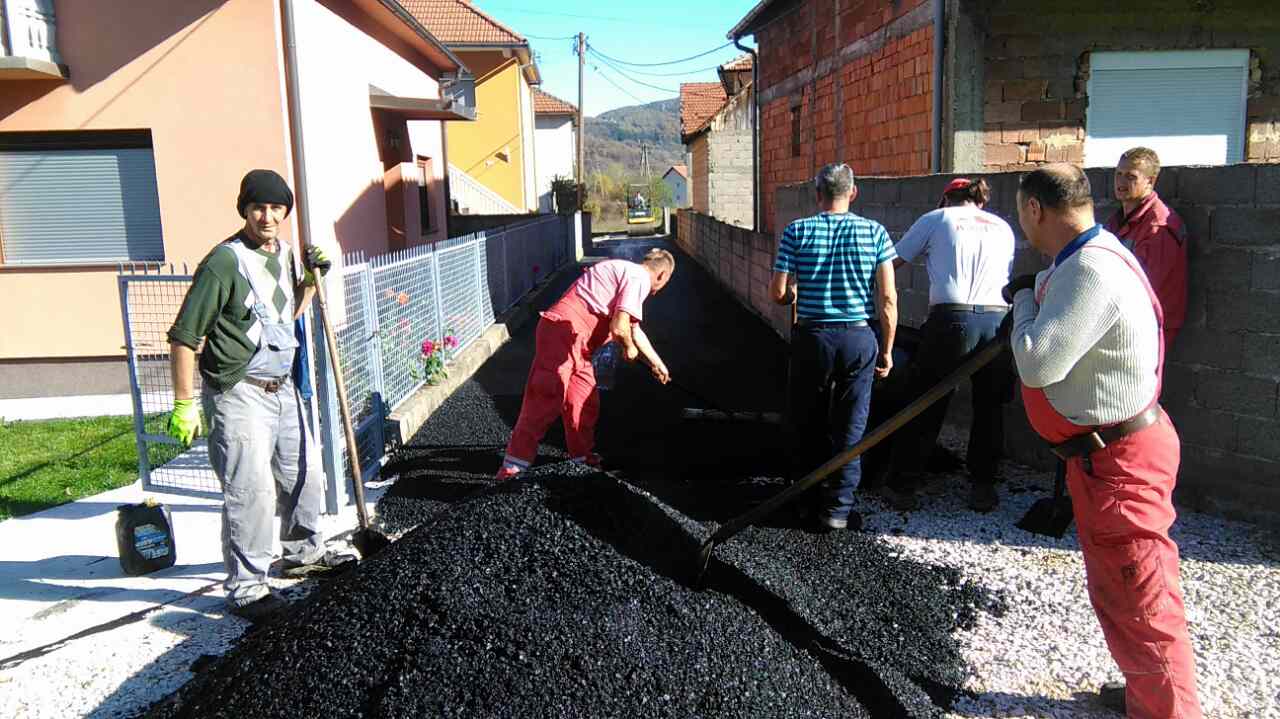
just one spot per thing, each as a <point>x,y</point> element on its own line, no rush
<point>908,413</point>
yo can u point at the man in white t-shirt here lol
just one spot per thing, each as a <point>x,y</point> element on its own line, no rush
<point>968,253</point>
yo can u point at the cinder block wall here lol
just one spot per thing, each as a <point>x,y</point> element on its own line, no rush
<point>729,176</point>
<point>1222,377</point>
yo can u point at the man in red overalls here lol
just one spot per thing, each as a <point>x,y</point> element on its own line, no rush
<point>1153,232</point>
<point>1086,337</point>
<point>605,304</point>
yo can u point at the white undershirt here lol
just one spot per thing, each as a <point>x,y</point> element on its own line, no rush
<point>968,252</point>
<point>1093,343</point>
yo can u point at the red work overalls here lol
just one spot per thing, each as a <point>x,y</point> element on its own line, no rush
<point>1122,497</point>
<point>561,381</point>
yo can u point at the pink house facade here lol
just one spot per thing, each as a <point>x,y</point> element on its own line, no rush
<point>124,141</point>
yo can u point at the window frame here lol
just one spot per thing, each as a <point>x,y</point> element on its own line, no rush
<point>56,140</point>
<point>1173,60</point>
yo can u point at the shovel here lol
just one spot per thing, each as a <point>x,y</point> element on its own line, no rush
<point>367,541</point>
<point>976,362</point>
<point>1050,516</point>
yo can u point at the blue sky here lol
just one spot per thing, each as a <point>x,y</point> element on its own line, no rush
<point>644,31</point>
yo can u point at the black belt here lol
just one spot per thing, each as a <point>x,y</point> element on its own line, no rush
<point>271,386</point>
<point>953,307</point>
<point>825,323</point>
<point>1087,444</point>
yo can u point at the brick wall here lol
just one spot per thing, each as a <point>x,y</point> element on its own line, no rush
<point>1036,68</point>
<point>855,78</point>
<point>1222,377</point>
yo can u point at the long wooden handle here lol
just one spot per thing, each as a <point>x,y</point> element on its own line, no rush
<point>908,413</point>
<point>348,427</point>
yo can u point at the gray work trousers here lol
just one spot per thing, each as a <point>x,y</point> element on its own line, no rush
<point>267,461</point>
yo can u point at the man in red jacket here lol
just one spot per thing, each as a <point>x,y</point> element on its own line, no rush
<point>1153,233</point>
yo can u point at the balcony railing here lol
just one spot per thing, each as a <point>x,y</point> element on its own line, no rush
<point>29,40</point>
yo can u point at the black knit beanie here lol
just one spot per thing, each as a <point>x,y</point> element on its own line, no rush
<point>265,187</point>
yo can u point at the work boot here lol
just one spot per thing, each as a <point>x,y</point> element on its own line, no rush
<point>901,500</point>
<point>983,497</point>
<point>1111,695</point>
<point>261,611</point>
<point>508,471</point>
<point>592,460</point>
<point>827,523</point>
<point>330,561</point>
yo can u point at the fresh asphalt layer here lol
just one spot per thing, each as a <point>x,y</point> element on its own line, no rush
<point>570,592</point>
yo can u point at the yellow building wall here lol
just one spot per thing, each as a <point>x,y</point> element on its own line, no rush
<point>491,149</point>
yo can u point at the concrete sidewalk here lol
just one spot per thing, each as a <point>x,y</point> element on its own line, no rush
<point>87,405</point>
<point>60,574</point>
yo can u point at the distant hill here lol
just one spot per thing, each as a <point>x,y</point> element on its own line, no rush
<point>614,137</point>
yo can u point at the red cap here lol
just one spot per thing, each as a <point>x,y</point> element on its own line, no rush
<point>959,183</point>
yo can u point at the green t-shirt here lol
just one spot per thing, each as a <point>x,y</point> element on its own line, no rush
<point>218,309</point>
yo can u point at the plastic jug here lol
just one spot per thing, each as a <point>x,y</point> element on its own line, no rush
<point>605,364</point>
<point>144,536</point>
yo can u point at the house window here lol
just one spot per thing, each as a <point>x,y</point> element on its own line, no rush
<point>425,174</point>
<point>795,131</point>
<point>78,198</point>
<point>1187,105</point>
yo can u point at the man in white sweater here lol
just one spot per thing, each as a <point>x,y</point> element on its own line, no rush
<point>1087,341</point>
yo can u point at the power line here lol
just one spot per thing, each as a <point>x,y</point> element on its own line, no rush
<point>621,72</point>
<point>544,37</point>
<point>603,18</point>
<point>611,82</point>
<point>684,73</point>
<point>658,64</point>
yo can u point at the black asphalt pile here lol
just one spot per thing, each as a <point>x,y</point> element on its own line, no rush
<point>894,614</point>
<point>563,595</point>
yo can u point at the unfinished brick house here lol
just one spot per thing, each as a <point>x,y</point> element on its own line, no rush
<point>902,87</point>
<point>716,123</point>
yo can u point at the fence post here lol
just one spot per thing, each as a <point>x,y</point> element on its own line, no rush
<point>435,291</point>
<point>139,426</point>
<point>477,251</point>
<point>374,345</point>
<point>330,424</point>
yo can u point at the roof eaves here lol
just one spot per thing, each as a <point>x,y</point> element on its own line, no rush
<point>765,12</point>
<point>421,30</point>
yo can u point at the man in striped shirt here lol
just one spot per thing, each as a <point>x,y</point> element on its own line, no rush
<point>836,267</point>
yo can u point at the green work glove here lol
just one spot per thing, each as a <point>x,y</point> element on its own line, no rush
<point>184,422</point>
<point>315,259</point>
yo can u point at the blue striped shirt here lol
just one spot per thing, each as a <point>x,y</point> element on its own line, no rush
<point>833,259</point>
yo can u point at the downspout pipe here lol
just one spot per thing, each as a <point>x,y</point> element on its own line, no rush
<point>939,34</point>
<point>293,93</point>
<point>756,210</point>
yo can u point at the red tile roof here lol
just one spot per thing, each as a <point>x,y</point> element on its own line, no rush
<point>741,62</point>
<point>458,22</point>
<point>680,170</point>
<point>699,102</point>
<point>544,103</point>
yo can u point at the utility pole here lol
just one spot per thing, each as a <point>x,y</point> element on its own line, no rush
<point>582,127</point>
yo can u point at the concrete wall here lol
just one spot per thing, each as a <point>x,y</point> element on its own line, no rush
<point>1222,377</point>
<point>848,81</point>
<point>1035,62</point>
<point>556,149</point>
<point>730,185</point>
<point>460,225</point>
<point>741,260</point>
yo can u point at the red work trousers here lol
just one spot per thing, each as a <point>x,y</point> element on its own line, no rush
<point>562,382</point>
<point>1123,509</point>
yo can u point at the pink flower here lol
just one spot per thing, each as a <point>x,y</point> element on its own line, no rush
<point>450,342</point>
<point>428,348</point>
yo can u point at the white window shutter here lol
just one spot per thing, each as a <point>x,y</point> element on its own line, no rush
<point>1188,106</point>
<point>79,206</point>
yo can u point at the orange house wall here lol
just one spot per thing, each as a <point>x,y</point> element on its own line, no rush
<point>199,74</point>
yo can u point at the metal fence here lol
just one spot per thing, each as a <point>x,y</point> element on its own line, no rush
<point>391,304</point>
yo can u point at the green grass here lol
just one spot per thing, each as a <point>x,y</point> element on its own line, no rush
<point>51,462</point>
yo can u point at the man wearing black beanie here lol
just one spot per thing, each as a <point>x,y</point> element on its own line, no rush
<point>242,305</point>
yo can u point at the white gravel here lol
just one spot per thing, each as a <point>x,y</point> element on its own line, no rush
<point>1046,656</point>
